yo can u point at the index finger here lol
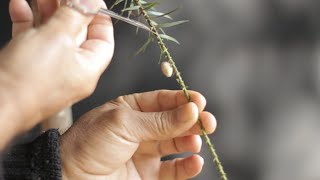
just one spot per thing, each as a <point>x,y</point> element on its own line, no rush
<point>99,45</point>
<point>162,100</point>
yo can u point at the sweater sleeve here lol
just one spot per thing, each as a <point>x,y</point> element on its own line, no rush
<point>37,160</point>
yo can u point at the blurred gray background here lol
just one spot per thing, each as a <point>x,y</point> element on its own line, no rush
<point>256,61</point>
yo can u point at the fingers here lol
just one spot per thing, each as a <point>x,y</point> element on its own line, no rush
<point>47,8</point>
<point>180,121</point>
<point>208,122</point>
<point>99,45</point>
<point>188,141</point>
<point>180,145</point>
<point>181,169</point>
<point>141,126</point>
<point>162,100</point>
<point>177,145</point>
<point>21,16</point>
<point>69,21</point>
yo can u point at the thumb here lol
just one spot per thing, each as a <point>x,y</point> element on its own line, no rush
<point>70,21</point>
<point>163,125</point>
<point>21,16</point>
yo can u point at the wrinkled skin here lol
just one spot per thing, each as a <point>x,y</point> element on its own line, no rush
<point>125,138</point>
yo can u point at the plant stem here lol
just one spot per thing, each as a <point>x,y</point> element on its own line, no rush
<point>179,79</point>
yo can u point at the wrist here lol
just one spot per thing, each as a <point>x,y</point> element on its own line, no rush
<point>17,110</point>
<point>10,117</point>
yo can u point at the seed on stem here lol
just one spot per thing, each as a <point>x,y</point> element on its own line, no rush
<point>166,69</point>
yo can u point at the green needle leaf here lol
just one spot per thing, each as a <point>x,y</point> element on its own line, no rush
<point>156,14</point>
<point>154,23</point>
<point>131,8</point>
<point>116,3</point>
<point>169,38</point>
<point>143,2</point>
<point>166,25</point>
<point>131,5</point>
<point>148,6</point>
<point>143,47</point>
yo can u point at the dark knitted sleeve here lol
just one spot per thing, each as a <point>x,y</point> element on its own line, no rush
<point>37,160</point>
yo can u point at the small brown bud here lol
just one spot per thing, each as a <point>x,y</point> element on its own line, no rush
<point>166,68</point>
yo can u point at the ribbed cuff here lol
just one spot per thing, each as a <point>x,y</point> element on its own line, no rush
<point>37,160</point>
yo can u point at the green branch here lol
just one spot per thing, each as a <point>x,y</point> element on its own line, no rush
<point>179,79</point>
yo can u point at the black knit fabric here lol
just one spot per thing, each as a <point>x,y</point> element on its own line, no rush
<point>37,160</point>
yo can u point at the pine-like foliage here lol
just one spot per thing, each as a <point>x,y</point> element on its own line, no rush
<point>132,10</point>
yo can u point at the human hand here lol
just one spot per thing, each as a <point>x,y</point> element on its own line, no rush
<point>125,138</point>
<point>45,69</point>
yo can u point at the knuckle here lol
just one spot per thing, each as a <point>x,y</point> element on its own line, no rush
<point>87,88</point>
<point>30,33</point>
<point>162,124</point>
<point>124,101</point>
<point>55,38</point>
<point>118,116</point>
<point>65,15</point>
<point>119,100</point>
<point>176,147</point>
<point>63,39</point>
<point>117,122</point>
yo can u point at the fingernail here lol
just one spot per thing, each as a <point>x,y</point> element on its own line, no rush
<point>84,6</point>
<point>89,5</point>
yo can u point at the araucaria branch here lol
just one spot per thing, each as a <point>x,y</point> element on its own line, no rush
<point>179,79</point>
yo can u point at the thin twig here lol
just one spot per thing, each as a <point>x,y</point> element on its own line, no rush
<point>179,79</point>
